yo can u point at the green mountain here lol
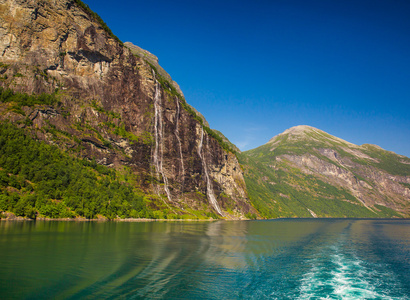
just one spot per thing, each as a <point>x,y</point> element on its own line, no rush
<point>90,126</point>
<point>306,172</point>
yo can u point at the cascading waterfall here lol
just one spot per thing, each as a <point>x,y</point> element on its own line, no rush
<point>158,132</point>
<point>209,191</point>
<point>182,173</point>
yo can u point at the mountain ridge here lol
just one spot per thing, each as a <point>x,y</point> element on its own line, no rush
<point>308,162</point>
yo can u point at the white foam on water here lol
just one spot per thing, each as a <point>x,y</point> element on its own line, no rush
<point>349,279</point>
<point>335,274</point>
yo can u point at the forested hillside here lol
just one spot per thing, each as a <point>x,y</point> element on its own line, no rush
<point>131,144</point>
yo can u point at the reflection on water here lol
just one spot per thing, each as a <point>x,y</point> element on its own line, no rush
<point>281,259</point>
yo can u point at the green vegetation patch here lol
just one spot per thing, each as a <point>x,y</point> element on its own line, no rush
<point>18,100</point>
<point>39,179</point>
<point>405,184</point>
<point>118,130</point>
<point>388,212</point>
<point>387,161</point>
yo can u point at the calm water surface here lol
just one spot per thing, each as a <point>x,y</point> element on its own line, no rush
<point>280,259</point>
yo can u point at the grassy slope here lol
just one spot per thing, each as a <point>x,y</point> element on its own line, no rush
<point>279,190</point>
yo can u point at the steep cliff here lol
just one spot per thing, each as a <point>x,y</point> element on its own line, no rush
<point>115,107</point>
<point>306,172</point>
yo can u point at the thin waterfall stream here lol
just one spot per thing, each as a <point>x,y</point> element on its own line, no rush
<point>179,143</point>
<point>158,132</point>
<point>209,190</point>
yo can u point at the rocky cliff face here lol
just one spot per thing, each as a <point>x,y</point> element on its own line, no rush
<point>114,107</point>
<point>325,176</point>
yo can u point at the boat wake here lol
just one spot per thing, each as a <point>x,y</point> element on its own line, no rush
<point>338,273</point>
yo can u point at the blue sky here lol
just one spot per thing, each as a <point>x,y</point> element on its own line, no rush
<point>256,68</point>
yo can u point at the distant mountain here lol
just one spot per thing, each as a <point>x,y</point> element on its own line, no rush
<point>306,172</point>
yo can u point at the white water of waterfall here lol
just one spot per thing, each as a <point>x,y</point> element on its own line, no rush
<point>158,132</point>
<point>209,190</point>
<point>179,142</point>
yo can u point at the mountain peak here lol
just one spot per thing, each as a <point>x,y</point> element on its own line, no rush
<point>303,132</point>
<point>300,129</point>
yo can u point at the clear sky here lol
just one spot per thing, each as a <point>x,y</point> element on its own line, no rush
<point>254,68</point>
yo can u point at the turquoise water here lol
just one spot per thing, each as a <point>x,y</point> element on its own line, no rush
<point>279,259</point>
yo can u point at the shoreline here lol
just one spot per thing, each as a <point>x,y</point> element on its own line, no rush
<point>8,216</point>
<point>131,220</point>
<point>12,217</point>
<point>136,220</point>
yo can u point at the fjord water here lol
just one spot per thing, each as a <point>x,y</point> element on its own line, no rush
<point>278,259</point>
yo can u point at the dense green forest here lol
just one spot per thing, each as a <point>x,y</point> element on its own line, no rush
<point>37,179</point>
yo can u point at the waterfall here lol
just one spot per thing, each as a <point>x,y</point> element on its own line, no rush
<point>158,132</point>
<point>182,173</point>
<point>209,191</point>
